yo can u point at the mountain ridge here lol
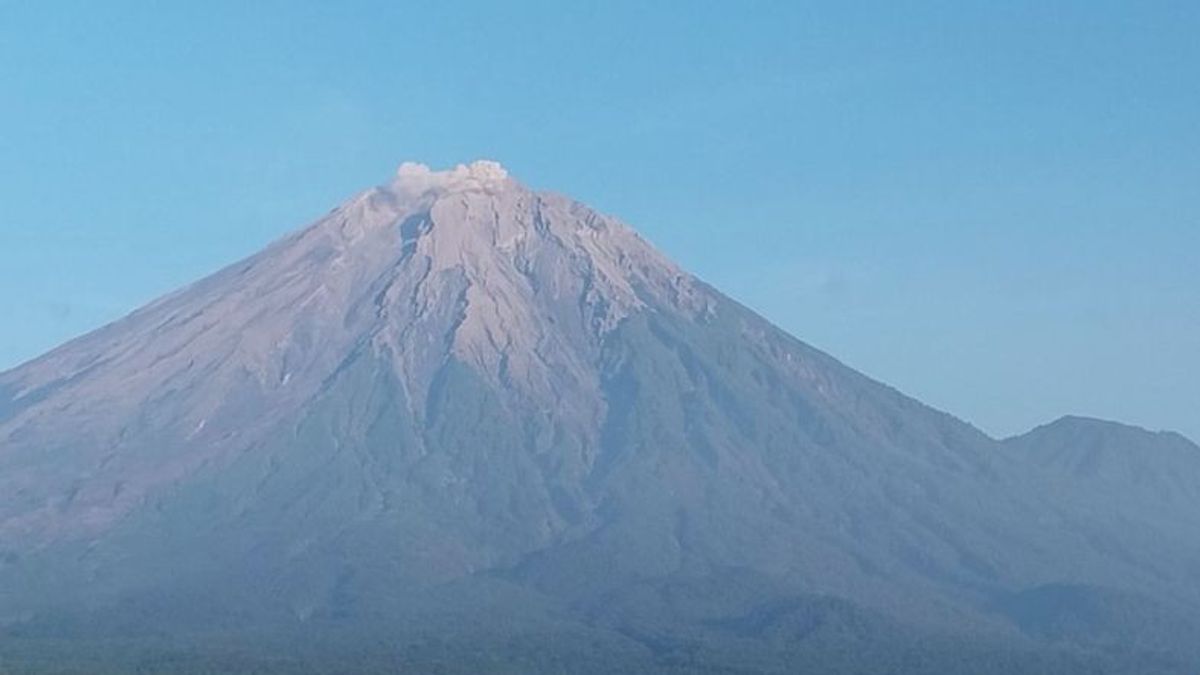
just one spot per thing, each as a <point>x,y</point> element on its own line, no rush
<point>1087,421</point>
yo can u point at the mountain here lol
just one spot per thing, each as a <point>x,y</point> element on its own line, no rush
<point>1155,469</point>
<point>458,425</point>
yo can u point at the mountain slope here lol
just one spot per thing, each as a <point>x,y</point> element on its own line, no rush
<point>454,398</point>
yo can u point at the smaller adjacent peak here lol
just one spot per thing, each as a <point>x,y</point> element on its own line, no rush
<point>1073,426</point>
<point>1081,430</point>
<point>415,179</point>
<point>1085,422</point>
<point>1097,425</point>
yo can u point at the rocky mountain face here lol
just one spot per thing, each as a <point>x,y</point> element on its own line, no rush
<point>459,424</point>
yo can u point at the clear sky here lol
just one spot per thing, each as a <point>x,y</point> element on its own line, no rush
<point>993,206</point>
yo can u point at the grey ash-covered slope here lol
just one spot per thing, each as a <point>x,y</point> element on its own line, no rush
<point>459,412</point>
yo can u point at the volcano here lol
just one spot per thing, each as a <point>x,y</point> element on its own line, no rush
<point>460,425</point>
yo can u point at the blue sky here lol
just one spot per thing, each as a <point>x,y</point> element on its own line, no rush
<point>994,207</point>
